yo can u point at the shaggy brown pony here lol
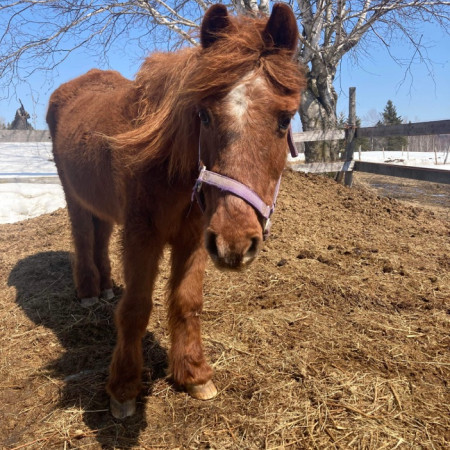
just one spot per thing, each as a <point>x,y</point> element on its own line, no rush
<point>128,152</point>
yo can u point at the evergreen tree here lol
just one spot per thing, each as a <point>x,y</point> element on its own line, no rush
<point>390,117</point>
<point>389,114</point>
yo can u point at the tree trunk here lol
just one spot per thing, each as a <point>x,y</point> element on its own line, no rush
<point>318,112</point>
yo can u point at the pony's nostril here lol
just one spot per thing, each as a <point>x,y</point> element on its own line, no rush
<point>253,250</point>
<point>211,244</point>
<point>226,256</point>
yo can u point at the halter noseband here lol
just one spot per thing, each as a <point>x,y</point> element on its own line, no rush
<point>239,189</point>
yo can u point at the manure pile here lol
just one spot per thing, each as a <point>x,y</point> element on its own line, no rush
<point>336,337</point>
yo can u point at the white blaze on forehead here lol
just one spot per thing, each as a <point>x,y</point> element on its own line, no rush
<point>237,101</point>
<point>240,98</point>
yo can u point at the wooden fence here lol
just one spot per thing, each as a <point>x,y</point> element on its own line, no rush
<point>346,167</point>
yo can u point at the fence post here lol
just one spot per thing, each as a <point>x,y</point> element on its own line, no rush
<point>350,133</point>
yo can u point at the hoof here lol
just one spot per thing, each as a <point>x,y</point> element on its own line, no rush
<point>205,391</point>
<point>107,294</point>
<point>122,410</point>
<point>88,302</point>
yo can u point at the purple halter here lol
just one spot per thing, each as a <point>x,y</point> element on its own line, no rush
<point>239,189</point>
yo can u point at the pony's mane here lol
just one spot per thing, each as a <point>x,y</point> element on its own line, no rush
<point>170,87</point>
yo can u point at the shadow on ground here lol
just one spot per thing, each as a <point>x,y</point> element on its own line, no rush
<point>46,293</point>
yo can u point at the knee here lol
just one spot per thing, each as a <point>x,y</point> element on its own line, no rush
<point>131,317</point>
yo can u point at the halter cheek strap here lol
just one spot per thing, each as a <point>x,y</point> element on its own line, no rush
<point>239,189</point>
<point>292,148</point>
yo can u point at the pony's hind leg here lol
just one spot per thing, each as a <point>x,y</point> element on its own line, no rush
<point>86,274</point>
<point>140,257</point>
<point>102,235</point>
<point>188,365</point>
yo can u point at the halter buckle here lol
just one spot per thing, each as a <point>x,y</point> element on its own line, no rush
<point>267,226</point>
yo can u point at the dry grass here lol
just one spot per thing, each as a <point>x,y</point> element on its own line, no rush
<point>337,337</point>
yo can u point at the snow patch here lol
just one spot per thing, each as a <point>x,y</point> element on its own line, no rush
<point>24,200</point>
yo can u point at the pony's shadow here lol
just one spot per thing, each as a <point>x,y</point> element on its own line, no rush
<point>46,293</point>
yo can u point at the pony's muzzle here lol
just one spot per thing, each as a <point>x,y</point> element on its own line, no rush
<point>235,255</point>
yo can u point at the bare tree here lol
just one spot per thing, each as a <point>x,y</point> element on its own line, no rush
<point>40,34</point>
<point>333,28</point>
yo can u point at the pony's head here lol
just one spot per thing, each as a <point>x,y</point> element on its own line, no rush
<point>248,89</point>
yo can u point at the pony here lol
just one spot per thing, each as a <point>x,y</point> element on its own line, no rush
<point>214,118</point>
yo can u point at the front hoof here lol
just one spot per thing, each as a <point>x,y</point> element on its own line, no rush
<point>205,391</point>
<point>107,294</point>
<point>122,410</point>
<point>88,302</point>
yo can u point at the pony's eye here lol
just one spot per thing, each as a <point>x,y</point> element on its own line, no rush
<point>204,117</point>
<point>284,122</point>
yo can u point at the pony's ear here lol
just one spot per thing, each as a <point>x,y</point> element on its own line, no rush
<point>281,30</point>
<point>215,21</point>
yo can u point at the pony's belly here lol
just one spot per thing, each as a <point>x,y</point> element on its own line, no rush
<point>95,191</point>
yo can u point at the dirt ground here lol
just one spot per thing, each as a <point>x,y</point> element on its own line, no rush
<point>433,196</point>
<point>336,337</point>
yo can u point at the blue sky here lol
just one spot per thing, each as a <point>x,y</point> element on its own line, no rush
<point>421,94</point>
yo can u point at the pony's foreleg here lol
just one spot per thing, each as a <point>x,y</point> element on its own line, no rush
<point>140,269</point>
<point>188,364</point>
<point>102,234</point>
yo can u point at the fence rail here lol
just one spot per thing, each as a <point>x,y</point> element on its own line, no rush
<point>25,136</point>
<point>46,179</point>
<point>319,135</point>
<point>406,129</point>
<point>411,172</point>
<point>322,167</point>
